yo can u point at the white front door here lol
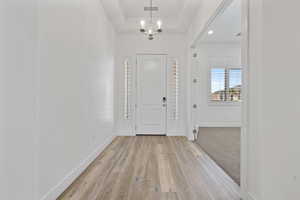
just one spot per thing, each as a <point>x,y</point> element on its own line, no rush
<point>151,94</point>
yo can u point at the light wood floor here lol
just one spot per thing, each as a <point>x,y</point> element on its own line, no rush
<point>152,168</point>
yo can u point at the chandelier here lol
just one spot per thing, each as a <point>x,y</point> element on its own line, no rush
<point>151,28</point>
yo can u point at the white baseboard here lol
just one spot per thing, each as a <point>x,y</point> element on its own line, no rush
<point>251,197</point>
<point>190,138</point>
<point>124,133</point>
<point>176,133</point>
<point>170,133</point>
<point>219,124</point>
<point>57,190</point>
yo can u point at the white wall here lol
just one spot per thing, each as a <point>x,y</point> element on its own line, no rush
<point>76,114</point>
<point>128,45</point>
<point>274,99</point>
<point>210,114</point>
<point>56,93</point>
<point>17,98</point>
<point>205,14</point>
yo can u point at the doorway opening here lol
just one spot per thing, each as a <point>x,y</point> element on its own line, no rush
<point>219,71</point>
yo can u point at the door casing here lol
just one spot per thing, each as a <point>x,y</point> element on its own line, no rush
<point>245,45</point>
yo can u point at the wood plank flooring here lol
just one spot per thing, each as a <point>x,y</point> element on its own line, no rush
<point>152,168</point>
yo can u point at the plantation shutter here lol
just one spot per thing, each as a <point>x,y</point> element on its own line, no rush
<point>218,85</point>
<point>174,87</point>
<point>127,107</point>
<point>225,84</point>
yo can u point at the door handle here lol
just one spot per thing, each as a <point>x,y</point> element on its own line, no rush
<point>164,100</point>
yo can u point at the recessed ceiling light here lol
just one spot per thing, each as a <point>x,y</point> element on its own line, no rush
<point>210,32</point>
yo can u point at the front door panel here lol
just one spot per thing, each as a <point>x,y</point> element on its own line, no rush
<point>151,94</point>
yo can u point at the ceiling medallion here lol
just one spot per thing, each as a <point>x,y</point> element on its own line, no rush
<point>150,28</point>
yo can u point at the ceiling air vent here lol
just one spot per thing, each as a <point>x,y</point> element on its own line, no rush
<point>150,8</point>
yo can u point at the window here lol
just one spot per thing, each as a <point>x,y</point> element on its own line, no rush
<point>127,89</point>
<point>174,103</point>
<point>235,84</point>
<point>226,84</point>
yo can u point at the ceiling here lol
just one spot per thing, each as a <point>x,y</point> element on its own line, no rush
<point>176,15</point>
<point>226,26</point>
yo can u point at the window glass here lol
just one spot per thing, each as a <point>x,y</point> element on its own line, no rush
<point>235,84</point>
<point>218,84</point>
<point>226,84</point>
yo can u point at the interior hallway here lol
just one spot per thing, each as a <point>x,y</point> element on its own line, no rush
<point>153,168</point>
<point>68,89</point>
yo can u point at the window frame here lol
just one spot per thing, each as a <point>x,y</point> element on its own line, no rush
<point>222,103</point>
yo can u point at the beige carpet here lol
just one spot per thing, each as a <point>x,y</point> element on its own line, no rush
<point>223,146</point>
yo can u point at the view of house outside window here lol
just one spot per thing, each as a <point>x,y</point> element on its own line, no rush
<point>226,84</point>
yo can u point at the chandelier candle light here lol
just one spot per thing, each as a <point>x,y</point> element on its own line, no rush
<point>150,29</point>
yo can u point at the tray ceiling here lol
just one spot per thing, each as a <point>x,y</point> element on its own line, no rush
<point>175,14</point>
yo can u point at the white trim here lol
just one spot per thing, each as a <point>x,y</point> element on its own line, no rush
<point>223,103</point>
<point>169,133</point>
<point>190,138</point>
<point>245,102</point>
<point>219,124</point>
<point>251,197</point>
<point>57,190</point>
<point>245,65</point>
<point>125,133</point>
<point>176,133</point>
